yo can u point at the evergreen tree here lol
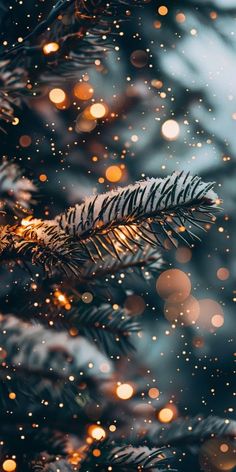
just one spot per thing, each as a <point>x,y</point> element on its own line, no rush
<point>75,393</point>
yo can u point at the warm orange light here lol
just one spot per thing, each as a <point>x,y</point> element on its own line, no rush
<point>57,95</point>
<point>223,273</point>
<point>43,177</point>
<point>12,396</point>
<point>83,91</point>
<point>96,452</point>
<point>162,10</point>
<point>15,121</point>
<point>180,17</point>
<point>166,415</point>
<point>217,321</point>
<point>224,447</point>
<point>153,392</point>
<point>50,47</point>
<point>113,173</point>
<point>98,110</point>
<point>74,458</point>
<point>158,84</point>
<point>25,222</point>
<point>124,391</point>
<point>97,432</point>
<point>9,465</point>
<point>170,130</point>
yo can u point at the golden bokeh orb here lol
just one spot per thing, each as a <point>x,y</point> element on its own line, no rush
<point>162,10</point>
<point>170,130</point>
<point>96,432</point>
<point>167,414</point>
<point>57,95</point>
<point>98,110</point>
<point>9,465</point>
<point>124,391</point>
<point>49,48</point>
<point>83,91</point>
<point>113,174</point>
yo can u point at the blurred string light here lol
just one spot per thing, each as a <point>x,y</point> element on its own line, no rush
<point>96,432</point>
<point>180,17</point>
<point>9,465</point>
<point>83,91</point>
<point>62,300</point>
<point>158,84</point>
<point>153,393</point>
<point>170,130</point>
<point>15,121</point>
<point>113,173</point>
<point>125,391</point>
<point>12,396</point>
<point>57,95</point>
<point>49,48</point>
<point>162,10</point>
<point>223,273</point>
<point>98,110</point>
<point>167,414</point>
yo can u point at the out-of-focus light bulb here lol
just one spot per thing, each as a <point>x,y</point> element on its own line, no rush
<point>170,130</point>
<point>50,47</point>
<point>57,95</point>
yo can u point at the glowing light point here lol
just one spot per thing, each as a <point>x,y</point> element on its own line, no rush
<point>165,415</point>
<point>83,91</point>
<point>124,391</point>
<point>50,48</point>
<point>98,110</point>
<point>163,10</point>
<point>170,130</point>
<point>9,465</point>
<point>113,173</point>
<point>57,95</point>
<point>97,432</point>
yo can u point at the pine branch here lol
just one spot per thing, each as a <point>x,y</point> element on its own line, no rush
<point>42,244</point>
<point>190,431</point>
<point>145,261</point>
<point>149,211</point>
<point>37,440</point>
<point>12,88</point>
<point>36,390</point>
<point>56,465</point>
<point>80,40</point>
<point>108,328</point>
<point>35,349</point>
<point>127,457</point>
<point>15,190</point>
<point>120,458</point>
